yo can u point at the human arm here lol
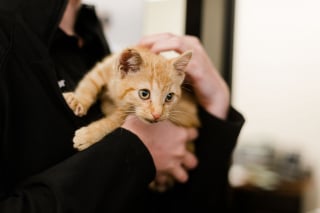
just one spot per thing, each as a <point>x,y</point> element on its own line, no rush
<point>210,89</point>
<point>167,145</point>
<point>105,176</point>
<point>206,190</point>
<point>208,184</point>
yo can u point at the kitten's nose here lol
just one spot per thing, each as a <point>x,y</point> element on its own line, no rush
<point>156,116</point>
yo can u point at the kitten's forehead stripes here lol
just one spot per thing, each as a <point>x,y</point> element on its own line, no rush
<point>159,80</point>
<point>125,92</point>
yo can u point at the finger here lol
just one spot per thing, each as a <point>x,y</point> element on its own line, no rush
<point>162,178</point>
<point>171,44</point>
<point>162,182</point>
<point>180,174</point>
<point>151,39</point>
<point>192,134</point>
<point>165,42</point>
<point>190,161</point>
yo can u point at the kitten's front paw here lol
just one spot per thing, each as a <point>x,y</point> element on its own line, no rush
<point>83,139</point>
<point>77,108</point>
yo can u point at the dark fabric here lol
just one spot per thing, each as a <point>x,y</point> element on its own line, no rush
<point>39,169</point>
<point>207,188</point>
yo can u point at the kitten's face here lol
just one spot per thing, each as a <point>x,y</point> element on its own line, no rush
<point>154,87</point>
<point>153,99</point>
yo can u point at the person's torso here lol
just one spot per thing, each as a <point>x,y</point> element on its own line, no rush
<point>37,125</point>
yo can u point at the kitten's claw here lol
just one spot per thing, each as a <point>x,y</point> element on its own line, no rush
<point>81,147</point>
<point>69,98</point>
<point>74,104</point>
<point>79,110</point>
<point>83,139</point>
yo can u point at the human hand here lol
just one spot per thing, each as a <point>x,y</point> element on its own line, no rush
<point>211,90</point>
<point>167,145</point>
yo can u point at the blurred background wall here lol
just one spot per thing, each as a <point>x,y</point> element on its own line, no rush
<point>276,79</point>
<point>123,20</point>
<point>126,21</point>
<point>276,65</point>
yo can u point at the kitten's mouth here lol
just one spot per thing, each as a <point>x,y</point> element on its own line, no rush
<point>151,121</point>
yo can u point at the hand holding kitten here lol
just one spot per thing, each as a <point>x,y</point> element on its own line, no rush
<point>211,90</point>
<point>168,150</point>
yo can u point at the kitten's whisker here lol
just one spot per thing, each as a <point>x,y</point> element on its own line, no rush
<point>130,118</point>
<point>130,112</point>
<point>176,113</point>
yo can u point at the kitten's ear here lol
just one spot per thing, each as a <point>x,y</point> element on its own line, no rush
<point>181,62</point>
<point>130,60</point>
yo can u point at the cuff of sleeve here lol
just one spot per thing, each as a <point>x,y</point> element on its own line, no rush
<point>234,118</point>
<point>219,134</point>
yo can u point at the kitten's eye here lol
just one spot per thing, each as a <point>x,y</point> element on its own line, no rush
<point>144,94</point>
<point>169,97</point>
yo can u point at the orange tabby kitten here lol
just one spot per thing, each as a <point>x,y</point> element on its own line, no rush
<point>134,81</point>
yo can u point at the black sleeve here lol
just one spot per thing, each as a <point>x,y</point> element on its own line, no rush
<point>99,179</point>
<point>214,148</point>
<point>207,188</point>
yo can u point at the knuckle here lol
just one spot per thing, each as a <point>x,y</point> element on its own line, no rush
<point>169,34</point>
<point>194,39</point>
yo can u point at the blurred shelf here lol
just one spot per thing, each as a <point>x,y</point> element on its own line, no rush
<point>286,198</point>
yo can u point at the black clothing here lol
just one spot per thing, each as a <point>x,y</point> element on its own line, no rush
<point>39,169</point>
<point>207,188</point>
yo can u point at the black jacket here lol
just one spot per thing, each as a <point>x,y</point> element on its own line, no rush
<point>39,169</point>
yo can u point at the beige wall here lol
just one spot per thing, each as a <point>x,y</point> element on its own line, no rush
<point>276,79</point>
<point>132,19</point>
<point>126,20</point>
<point>164,16</point>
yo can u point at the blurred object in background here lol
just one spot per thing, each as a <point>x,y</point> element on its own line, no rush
<point>267,180</point>
<point>264,167</point>
<point>314,211</point>
<point>289,167</point>
<point>256,164</point>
